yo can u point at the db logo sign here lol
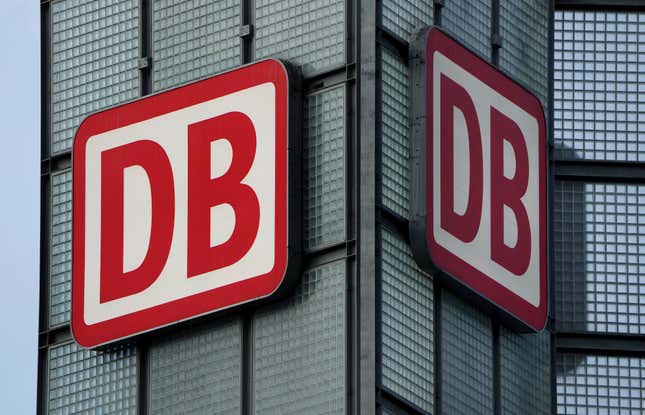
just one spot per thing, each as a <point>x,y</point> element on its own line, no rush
<point>479,206</point>
<point>182,204</point>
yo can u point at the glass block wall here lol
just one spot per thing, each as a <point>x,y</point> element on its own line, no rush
<point>193,39</point>
<point>197,371</point>
<point>395,147</point>
<point>87,382</point>
<point>522,355</point>
<point>405,17</point>
<point>60,289</point>
<point>299,358</point>
<point>524,29</point>
<point>467,358</point>
<point>599,385</point>
<point>94,58</point>
<point>598,221</point>
<point>309,33</point>
<point>407,324</point>
<point>470,22</point>
<point>599,85</point>
<point>600,261</point>
<point>324,170</point>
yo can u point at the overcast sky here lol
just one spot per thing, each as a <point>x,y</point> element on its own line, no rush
<point>19,203</point>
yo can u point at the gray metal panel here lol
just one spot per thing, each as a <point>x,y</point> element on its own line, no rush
<point>193,39</point>
<point>89,382</point>
<point>94,61</point>
<point>300,347</point>
<point>197,371</point>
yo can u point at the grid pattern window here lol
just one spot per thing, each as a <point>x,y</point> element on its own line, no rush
<point>300,348</point>
<point>525,375</point>
<point>524,28</point>
<point>405,17</point>
<point>90,382</point>
<point>310,33</point>
<point>61,249</point>
<point>467,361</point>
<point>324,168</point>
<point>94,57</point>
<point>193,39</point>
<point>406,324</point>
<point>469,21</point>
<point>597,385</point>
<point>599,85</point>
<point>599,243</point>
<point>395,150</point>
<point>197,371</point>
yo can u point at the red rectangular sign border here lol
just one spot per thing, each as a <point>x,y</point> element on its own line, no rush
<point>430,255</point>
<point>281,278</point>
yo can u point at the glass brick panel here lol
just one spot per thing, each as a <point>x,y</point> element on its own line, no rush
<point>92,382</point>
<point>525,375</point>
<point>405,17</point>
<point>599,385</point>
<point>324,167</point>
<point>197,371</point>
<point>60,289</point>
<point>524,27</point>
<point>395,156</point>
<point>300,348</point>
<point>466,348</point>
<point>94,61</point>
<point>469,21</point>
<point>406,324</point>
<point>309,33</point>
<point>599,85</point>
<point>599,240</point>
<point>193,39</point>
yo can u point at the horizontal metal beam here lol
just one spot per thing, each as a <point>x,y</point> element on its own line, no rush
<point>611,171</point>
<point>600,344</point>
<point>623,5</point>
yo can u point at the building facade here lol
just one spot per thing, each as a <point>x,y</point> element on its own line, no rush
<point>365,331</point>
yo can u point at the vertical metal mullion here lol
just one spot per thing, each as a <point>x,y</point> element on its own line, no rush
<point>497,369</point>
<point>143,376</point>
<point>495,36</point>
<point>145,47</point>
<point>436,16</point>
<point>247,54</point>
<point>45,180</point>
<point>145,88</point>
<point>247,31</point>
<point>246,365</point>
<point>495,45</point>
<point>550,188</point>
<point>366,213</point>
<point>436,289</point>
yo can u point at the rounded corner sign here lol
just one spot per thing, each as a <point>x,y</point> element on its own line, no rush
<point>181,203</point>
<point>480,211</point>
